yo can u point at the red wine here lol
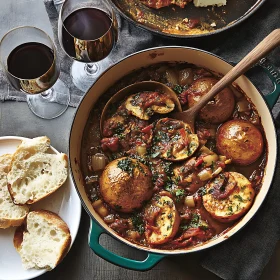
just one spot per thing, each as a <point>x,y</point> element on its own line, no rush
<point>87,24</point>
<point>31,61</point>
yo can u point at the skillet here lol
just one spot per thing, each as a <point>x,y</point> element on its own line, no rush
<point>163,21</point>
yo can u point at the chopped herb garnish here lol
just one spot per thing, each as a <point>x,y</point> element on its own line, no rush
<point>119,129</point>
<point>195,222</point>
<point>230,210</point>
<point>154,155</point>
<point>202,191</point>
<point>179,193</point>
<point>149,112</point>
<point>239,197</point>
<point>168,153</point>
<point>118,207</point>
<point>138,223</point>
<point>178,89</point>
<point>126,165</point>
<point>168,185</point>
<point>176,180</point>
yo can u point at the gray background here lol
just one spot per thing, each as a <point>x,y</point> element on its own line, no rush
<point>81,262</point>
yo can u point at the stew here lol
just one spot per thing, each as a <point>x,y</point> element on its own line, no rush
<point>159,184</point>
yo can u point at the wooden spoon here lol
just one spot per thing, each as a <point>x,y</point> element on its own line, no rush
<point>260,51</point>
<point>136,88</point>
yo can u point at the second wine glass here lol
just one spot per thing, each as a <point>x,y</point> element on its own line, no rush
<point>87,31</point>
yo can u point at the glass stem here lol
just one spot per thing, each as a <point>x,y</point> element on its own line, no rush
<point>48,94</point>
<point>91,68</point>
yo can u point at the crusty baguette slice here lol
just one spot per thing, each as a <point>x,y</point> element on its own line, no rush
<point>43,241</point>
<point>10,214</point>
<point>35,174</point>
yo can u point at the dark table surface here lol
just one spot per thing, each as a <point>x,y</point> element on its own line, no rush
<point>81,262</point>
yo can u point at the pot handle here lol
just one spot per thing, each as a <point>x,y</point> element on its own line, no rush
<point>94,234</point>
<point>274,76</point>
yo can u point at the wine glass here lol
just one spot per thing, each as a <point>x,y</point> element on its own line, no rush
<point>87,31</point>
<point>28,57</point>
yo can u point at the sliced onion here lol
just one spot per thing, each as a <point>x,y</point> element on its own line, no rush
<point>188,179</point>
<point>172,77</point>
<point>97,203</point>
<point>109,219</point>
<point>133,234</point>
<point>141,150</point>
<point>165,193</point>
<point>204,175</point>
<point>91,179</point>
<point>217,171</point>
<point>228,161</point>
<point>100,208</point>
<point>236,92</point>
<point>98,162</point>
<point>212,132</point>
<point>243,106</point>
<point>205,150</point>
<point>189,201</point>
<point>185,77</point>
<point>222,158</point>
<point>209,159</point>
<point>102,211</point>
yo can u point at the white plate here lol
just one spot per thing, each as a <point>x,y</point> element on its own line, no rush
<point>65,202</point>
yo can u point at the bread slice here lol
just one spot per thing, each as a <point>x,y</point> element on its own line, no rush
<point>34,173</point>
<point>43,241</point>
<point>10,214</point>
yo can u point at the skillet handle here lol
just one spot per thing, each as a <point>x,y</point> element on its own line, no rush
<point>274,76</point>
<point>94,234</point>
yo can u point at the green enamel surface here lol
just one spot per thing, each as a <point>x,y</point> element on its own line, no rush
<point>272,97</point>
<point>94,234</point>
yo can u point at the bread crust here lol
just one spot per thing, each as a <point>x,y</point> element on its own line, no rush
<point>54,220</point>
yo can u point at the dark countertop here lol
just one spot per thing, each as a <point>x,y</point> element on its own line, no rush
<point>81,262</point>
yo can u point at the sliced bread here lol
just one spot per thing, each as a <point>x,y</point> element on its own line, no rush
<point>10,214</point>
<point>34,173</point>
<point>43,240</point>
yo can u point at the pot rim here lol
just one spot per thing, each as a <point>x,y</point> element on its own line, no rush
<point>208,244</point>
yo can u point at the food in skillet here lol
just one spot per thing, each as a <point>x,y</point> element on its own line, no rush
<point>157,4</point>
<point>193,187</point>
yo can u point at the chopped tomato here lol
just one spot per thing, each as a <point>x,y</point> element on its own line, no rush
<point>198,162</point>
<point>184,136</point>
<point>147,129</point>
<point>111,144</point>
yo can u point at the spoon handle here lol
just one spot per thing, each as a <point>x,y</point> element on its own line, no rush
<point>261,50</point>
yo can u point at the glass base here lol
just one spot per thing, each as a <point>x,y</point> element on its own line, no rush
<point>84,75</point>
<point>51,103</point>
